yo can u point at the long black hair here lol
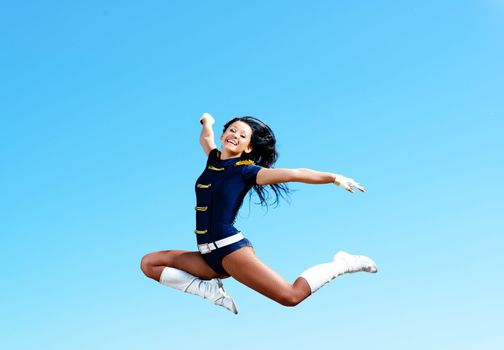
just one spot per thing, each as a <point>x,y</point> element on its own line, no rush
<point>265,154</point>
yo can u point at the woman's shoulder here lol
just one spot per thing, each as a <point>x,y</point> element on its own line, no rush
<point>248,169</point>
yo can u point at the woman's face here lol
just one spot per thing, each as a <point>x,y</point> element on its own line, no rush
<point>236,138</point>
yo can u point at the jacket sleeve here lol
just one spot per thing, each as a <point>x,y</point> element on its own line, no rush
<point>249,173</point>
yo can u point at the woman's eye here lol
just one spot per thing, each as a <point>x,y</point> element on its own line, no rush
<point>232,129</point>
<point>242,136</point>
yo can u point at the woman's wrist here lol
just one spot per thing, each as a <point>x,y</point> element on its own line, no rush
<point>336,179</point>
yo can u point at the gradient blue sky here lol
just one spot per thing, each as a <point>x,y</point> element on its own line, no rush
<point>99,151</point>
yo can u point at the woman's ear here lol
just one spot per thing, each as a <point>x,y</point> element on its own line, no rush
<point>248,149</point>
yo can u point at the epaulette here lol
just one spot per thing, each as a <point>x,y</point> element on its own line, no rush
<point>245,162</point>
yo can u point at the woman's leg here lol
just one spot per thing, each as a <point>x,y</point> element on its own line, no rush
<point>246,268</point>
<point>189,273</point>
<point>153,264</point>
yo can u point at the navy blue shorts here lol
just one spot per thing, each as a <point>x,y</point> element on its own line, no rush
<point>214,258</point>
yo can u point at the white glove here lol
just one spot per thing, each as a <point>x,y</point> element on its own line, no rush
<point>208,118</point>
<point>347,183</point>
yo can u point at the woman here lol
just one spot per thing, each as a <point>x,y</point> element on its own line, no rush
<point>245,162</point>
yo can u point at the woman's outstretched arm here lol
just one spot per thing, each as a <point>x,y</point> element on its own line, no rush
<point>267,176</point>
<point>207,135</point>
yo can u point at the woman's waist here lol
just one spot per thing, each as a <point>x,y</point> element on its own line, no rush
<point>216,232</point>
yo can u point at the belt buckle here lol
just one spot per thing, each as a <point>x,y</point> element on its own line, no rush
<point>206,248</point>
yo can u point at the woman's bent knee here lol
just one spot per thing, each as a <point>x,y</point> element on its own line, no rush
<point>148,264</point>
<point>145,265</point>
<point>289,299</point>
<point>152,264</point>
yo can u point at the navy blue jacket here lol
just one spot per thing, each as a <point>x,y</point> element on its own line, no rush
<point>220,191</point>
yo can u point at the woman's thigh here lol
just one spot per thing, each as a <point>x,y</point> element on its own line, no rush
<point>244,266</point>
<point>190,262</point>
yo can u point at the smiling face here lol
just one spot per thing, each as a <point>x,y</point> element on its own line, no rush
<point>236,139</point>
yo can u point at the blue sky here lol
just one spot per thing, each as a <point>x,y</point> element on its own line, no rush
<point>99,152</point>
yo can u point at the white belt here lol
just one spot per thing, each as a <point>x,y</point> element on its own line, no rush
<point>206,248</point>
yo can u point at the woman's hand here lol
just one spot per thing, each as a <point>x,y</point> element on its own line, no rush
<point>207,119</point>
<point>347,183</point>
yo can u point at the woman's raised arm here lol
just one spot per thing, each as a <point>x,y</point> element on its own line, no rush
<point>207,135</point>
<point>267,176</point>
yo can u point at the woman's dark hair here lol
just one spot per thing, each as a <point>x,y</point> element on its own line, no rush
<point>264,154</point>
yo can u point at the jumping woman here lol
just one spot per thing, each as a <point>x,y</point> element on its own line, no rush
<point>245,162</point>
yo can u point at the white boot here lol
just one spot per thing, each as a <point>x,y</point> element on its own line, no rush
<point>212,290</point>
<point>348,263</point>
<point>319,275</point>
